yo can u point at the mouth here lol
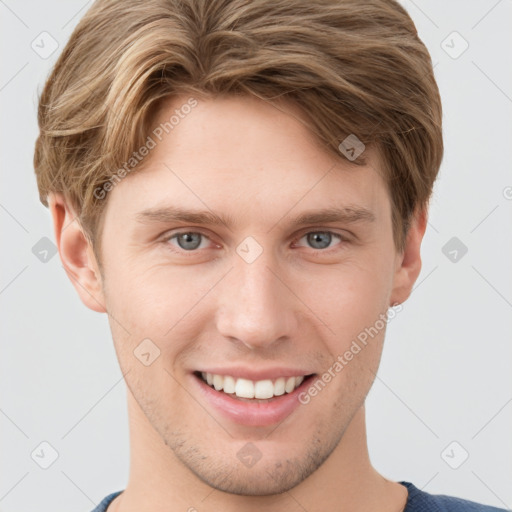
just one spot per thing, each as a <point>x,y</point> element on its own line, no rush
<point>253,391</point>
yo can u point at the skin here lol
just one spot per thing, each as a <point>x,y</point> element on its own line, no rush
<point>295,305</point>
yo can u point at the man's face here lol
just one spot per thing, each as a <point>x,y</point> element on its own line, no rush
<point>260,297</point>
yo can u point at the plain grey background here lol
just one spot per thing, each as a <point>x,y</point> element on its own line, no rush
<point>444,388</point>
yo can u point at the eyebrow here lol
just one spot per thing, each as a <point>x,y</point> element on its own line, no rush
<point>167,214</point>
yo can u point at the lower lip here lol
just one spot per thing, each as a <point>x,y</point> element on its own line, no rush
<point>257,414</point>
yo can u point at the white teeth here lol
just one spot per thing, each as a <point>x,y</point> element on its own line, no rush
<point>264,389</point>
<point>245,388</point>
<point>279,386</point>
<point>218,382</point>
<point>229,384</point>
<point>290,384</point>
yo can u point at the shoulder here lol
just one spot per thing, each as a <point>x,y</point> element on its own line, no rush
<point>420,501</point>
<point>105,502</point>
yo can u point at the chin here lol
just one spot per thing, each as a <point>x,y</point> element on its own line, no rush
<point>255,482</point>
<point>274,473</point>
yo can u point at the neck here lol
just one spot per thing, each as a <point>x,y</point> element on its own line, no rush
<point>346,481</point>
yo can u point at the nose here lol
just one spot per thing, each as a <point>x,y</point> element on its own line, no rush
<point>256,307</point>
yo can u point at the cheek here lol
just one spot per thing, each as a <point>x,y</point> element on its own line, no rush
<point>353,303</point>
<point>350,298</point>
<point>160,305</point>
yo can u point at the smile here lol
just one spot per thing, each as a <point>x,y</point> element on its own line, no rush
<point>261,401</point>
<point>250,389</point>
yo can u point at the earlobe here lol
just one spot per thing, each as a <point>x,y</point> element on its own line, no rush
<point>409,261</point>
<point>76,254</point>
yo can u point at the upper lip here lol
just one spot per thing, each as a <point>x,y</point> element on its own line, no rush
<point>239,372</point>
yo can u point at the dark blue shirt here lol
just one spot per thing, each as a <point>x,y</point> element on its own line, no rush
<point>418,501</point>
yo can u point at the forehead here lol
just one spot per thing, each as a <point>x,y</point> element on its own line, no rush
<point>242,155</point>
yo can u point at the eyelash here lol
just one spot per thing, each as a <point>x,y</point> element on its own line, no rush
<point>175,249</point>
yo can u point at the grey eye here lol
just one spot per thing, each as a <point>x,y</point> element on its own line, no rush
<point>188,241</point>
<point>319,239</point>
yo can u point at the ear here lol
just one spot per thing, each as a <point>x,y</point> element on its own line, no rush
<point>76,253</point>
<point>408,262</point>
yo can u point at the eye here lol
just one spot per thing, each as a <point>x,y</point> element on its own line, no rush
<point>187,240</point>
<point>321,239</point>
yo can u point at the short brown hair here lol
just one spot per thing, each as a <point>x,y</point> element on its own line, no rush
<point>354,67</point>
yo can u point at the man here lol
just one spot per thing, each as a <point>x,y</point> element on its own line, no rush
<point>243,188</point>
